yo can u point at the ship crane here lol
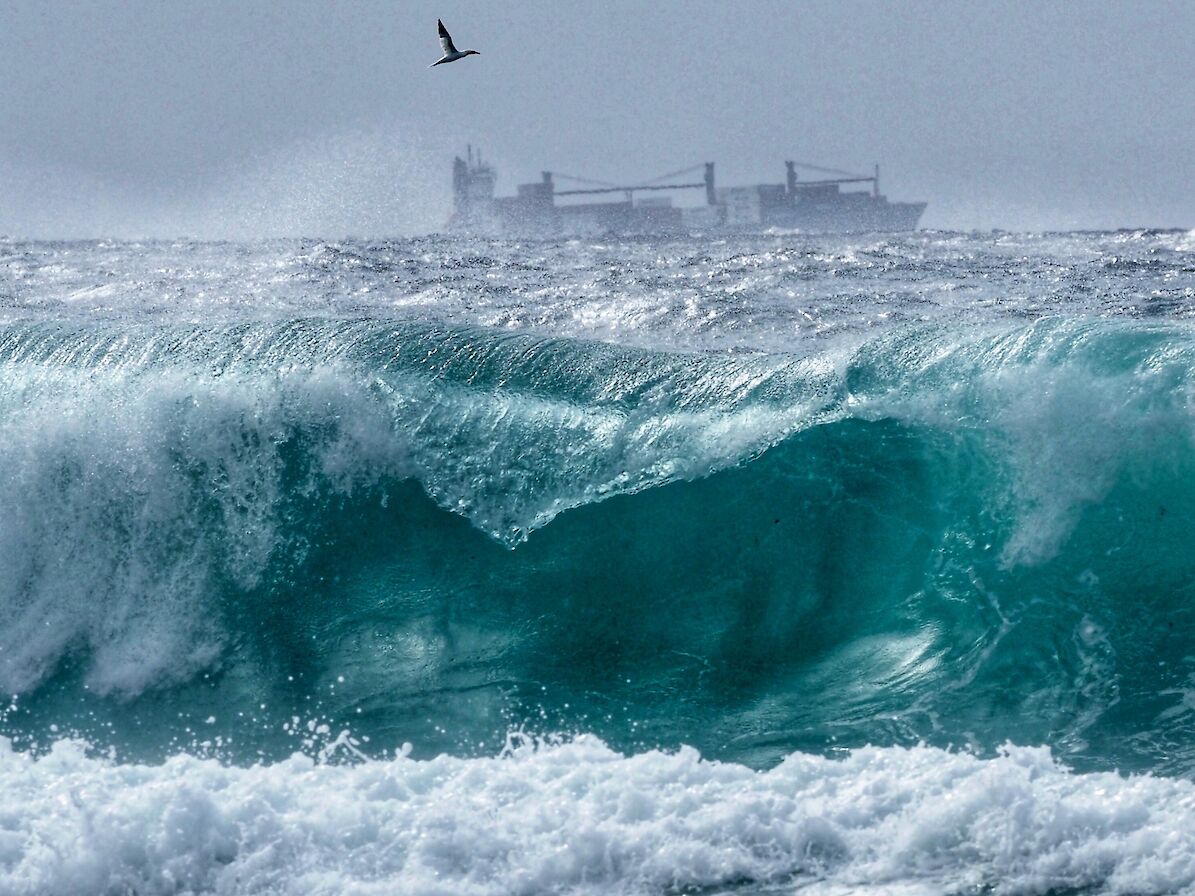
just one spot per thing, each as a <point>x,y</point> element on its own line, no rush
<point>598,187</point>
<point>841,177</point>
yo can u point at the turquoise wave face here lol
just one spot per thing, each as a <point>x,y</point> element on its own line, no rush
<point>250,538</point>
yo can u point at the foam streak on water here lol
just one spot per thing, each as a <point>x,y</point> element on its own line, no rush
<point>839,564</point>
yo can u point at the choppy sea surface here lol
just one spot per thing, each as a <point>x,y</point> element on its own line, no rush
<point>737,565</point>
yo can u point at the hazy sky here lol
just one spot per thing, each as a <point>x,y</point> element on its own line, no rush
<point>224,118</point>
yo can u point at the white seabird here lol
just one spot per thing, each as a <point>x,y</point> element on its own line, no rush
<point>451,53</point>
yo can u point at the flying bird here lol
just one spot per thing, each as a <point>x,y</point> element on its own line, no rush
<point>451,53</point>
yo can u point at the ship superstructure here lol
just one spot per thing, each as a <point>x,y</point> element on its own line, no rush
<point>542,208</point>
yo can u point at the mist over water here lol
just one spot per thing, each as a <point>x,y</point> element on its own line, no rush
<point>376,182</point>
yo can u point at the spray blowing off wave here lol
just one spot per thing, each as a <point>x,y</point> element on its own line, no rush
<point>370,181</point>
<point>752,554</point>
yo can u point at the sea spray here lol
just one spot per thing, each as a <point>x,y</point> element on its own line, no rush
<point>379,180</point>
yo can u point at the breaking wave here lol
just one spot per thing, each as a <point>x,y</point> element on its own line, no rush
<point>346,568</point>
<point>929,537</point>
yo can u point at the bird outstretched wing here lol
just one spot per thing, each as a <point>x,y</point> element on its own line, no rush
<point>445,38</point>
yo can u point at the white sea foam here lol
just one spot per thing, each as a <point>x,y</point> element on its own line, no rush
<point>580,818</point>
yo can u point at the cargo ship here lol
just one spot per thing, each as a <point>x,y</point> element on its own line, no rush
<point>554,207</point>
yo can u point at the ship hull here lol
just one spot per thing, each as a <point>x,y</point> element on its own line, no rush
<point>877,215</point>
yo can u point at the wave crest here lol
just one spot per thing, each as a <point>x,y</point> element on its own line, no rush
<point>758,553</point>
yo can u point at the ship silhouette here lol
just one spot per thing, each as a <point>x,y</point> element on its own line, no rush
<point>812,206</point>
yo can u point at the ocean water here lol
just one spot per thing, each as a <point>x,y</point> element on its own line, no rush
<point>755,564</point>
